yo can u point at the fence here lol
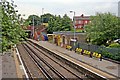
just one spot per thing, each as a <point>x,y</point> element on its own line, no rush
<point>113,53</point>
<point>96,48</point>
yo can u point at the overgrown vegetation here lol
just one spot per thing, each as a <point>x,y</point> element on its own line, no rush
<point>55,23</point>
<point>114,45</point>
<point>111,55</point>
<point>12,32</point>
<point>103,27</point>
<point>103,30</point>
<point>58,23</point>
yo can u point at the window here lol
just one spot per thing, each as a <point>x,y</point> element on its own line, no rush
<point>80,26</point>
<point>80,22</point>
<point>86,22</point>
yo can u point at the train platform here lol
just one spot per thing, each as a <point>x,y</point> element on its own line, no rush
<point>8,66</point>
<point>104,65</point>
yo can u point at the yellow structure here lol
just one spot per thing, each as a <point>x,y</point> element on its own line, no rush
<point>51,37</point>
<point>78,50</point>
<point>97,55</point>
<point>46,24</point>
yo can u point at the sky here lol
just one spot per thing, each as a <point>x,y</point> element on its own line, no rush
<point>61,7</point>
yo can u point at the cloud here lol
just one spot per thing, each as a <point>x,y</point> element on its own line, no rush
<point>61,7</point>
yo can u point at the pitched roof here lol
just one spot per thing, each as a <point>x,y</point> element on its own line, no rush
<point>68,33</point>
<point>82,18</point>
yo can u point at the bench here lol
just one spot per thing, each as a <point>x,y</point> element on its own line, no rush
<point>86,52</point>
<point>69,47</point>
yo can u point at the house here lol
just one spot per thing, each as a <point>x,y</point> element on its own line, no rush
<point>81,21</point>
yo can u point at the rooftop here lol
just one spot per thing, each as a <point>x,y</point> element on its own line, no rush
<point>68,33</point>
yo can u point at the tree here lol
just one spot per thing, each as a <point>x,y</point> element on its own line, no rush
<point>66,23</point>
<point>57,23</point>
<point>36,20</point>
<point>103,28</point>
<point>12,32</point>
<point>51,25</point>
<point>45,18</point>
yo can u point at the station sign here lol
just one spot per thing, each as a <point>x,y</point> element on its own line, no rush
<point>74,40</point>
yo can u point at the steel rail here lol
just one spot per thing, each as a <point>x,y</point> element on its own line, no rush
<point>56,62</point>
<point>45,62</point>
<point>48,76</point>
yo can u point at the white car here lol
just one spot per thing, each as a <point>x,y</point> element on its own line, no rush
<point>117,40</point>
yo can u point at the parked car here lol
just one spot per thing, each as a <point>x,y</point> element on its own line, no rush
<point>117,41</point>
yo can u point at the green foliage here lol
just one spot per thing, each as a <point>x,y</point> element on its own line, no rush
<point>0,28</point>
<point>115,56</point>
<point>38,20</point>
<point>12,32</point>
<point>56,23</point>
<point>45,18</point>
<point>111,53</point>
<point>66,23</point>
<point>35,18</point>
<point>114,45</point>
<point>103,27</point>
<point>79,30</point>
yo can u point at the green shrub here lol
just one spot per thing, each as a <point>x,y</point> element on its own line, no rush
<point>113,56</point>
<point>114,45</point>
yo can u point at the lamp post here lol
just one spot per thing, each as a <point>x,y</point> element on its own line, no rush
<point>33,27</point>
<point>42,14</point>
<point>73,25</point>
<point>21,19</point>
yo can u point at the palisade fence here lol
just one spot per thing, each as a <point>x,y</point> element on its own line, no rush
<point>113,53</point>
<point>96,48</point>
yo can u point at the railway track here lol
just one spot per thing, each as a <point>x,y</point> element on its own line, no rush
<point>59,69</point>
<point>83,70</point>
<point>61,63</point>
<point>33,70</point>
<point>39,63</point>
<point>44,64</point>
<point>47,66</point>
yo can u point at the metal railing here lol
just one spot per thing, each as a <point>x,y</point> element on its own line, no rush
<point>111,53</point>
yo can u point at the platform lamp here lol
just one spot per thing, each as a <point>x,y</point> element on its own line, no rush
<point>73,24</point>
<point>33,26</point>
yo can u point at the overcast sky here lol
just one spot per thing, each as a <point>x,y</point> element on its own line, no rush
<point>61,7</point>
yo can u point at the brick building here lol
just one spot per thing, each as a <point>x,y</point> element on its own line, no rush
<point>81,21</point>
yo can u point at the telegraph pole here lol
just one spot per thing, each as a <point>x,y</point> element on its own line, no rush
<point>33,26</point>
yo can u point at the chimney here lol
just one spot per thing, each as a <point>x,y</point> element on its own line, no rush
<point>82,15</point>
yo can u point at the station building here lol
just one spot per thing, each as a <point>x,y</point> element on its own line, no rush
<point>64,38</point>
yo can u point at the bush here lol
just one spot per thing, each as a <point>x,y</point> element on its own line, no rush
<point>114,45</point>
<point>113,56</point>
